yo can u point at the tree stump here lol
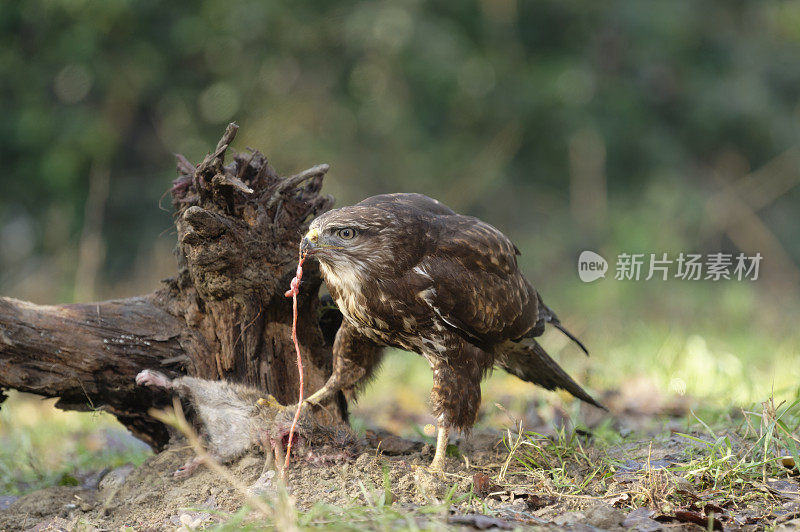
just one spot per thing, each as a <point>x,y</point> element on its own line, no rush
<point>224,316</point>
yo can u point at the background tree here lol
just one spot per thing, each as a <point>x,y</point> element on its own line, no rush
<point>569,125</point>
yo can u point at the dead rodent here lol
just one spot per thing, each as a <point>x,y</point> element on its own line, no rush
<point>234,418</point>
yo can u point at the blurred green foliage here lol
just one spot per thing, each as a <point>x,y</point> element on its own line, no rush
<point>42,446</point>
<point>569,125</point>
<point>476,103</point>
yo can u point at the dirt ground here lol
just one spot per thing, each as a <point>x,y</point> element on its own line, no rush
<point>663,476</point>
<point>637,493</point>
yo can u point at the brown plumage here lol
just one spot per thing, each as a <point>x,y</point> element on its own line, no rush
<point>408,272</point>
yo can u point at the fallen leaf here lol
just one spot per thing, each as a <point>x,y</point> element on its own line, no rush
<point>536,502</point>
<point>640,520</point>
<point>691,495</point>
<point>533,501</point>
<point>786,489</point>
<point>482,485</point>
<point>686,516</point>
<point>711,508</point>
<point>613,500</point>
<point>481,522</point>
<point>391,444</point>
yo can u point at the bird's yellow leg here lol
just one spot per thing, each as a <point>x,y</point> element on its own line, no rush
<point>345,374</point>
<point>442,436</point>
<point>321,395</point>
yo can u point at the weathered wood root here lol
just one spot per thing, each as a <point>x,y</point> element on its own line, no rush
<point>222,316</point>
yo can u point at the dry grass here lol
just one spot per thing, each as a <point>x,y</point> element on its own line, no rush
<point>732,464</point>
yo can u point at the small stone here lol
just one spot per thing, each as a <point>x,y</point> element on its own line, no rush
<point>391,444</point>
<point>570,518</point>
<point>519,505</point>
<point>92,480</point>
<point>363,461</point>
<point>480,522</point>
<point>604,515</point>
<point>640,520</point>
<point>116,477</point>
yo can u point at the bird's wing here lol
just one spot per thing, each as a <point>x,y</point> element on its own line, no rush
<point>475,285</point>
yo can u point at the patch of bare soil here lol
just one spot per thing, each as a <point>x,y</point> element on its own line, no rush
<point>148,497</point>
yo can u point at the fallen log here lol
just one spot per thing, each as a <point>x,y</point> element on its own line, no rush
<point>223,316</point>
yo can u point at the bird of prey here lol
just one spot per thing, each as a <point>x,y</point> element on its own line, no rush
<point>408,272</point>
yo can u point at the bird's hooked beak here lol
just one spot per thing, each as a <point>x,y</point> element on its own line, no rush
<point>310,242</point>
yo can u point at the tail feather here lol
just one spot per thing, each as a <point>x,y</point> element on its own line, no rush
<point>530,362</point>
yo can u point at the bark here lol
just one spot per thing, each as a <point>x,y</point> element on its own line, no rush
<point>223,316</point>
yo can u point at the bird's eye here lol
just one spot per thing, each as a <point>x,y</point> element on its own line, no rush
<point>347,233</point>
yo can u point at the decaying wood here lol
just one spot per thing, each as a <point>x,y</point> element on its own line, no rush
<point>85,354</point>
<point>223,316</point>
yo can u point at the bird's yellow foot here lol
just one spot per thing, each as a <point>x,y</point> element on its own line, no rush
<point>270,402</point>
<point>437,472</point>
<point>436,466</point>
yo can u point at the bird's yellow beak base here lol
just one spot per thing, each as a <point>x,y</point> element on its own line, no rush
<point>310,241</point>
<point>312,236</point>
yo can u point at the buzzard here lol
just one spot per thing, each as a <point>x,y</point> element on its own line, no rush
<point>408,272</point>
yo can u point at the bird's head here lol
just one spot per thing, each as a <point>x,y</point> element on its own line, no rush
<point>359,240</point>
